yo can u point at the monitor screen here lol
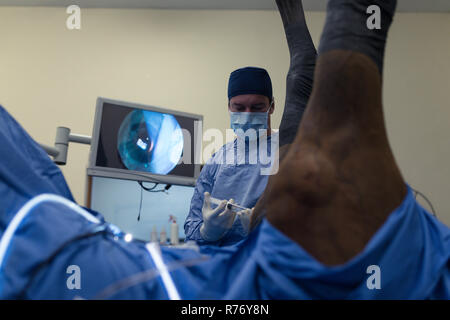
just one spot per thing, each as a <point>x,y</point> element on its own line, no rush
<point>121,202</point>
<point>145,143</point>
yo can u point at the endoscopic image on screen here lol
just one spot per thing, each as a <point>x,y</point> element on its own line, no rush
<point>144,140</point>
<point>150,141</point>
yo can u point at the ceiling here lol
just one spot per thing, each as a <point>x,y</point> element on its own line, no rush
<point>310,5</point>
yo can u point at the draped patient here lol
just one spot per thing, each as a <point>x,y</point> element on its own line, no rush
<point>337,210</point>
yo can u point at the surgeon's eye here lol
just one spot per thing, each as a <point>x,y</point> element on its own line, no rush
<point>259,107</point>
<point>237,108</point>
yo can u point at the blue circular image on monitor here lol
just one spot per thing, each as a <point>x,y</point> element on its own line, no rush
<point>150,141</point>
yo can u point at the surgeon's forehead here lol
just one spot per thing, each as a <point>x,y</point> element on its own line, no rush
<point>249,99</point>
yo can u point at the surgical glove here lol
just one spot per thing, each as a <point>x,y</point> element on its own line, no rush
<point>244,217</point>
<point>216,222</point>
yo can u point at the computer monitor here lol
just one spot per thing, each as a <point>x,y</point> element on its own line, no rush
<point>121,202</point>
<point>145,143</point>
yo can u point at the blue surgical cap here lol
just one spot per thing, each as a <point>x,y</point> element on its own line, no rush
<point>250,80</point>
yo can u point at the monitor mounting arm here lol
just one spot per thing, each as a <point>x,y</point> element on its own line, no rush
<point>63,137</point>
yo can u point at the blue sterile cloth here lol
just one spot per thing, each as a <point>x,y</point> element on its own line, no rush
<point>240,179</point>
<point>25,170</point>
<point>411,249</point>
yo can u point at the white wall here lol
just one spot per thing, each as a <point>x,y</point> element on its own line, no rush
<point>51,76</point>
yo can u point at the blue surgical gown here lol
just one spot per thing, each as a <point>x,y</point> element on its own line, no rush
<point>241,179</point>
<point>411,249</point>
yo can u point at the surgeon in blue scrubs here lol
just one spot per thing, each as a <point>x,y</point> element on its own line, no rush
<point>238,179</point>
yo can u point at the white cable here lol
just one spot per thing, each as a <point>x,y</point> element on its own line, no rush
<point>30,205</point>
<point>152,248</point>
<point>155,253</point>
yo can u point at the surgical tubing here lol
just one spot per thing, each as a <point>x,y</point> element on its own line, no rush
<point>43,198</point>
<point>29,206</point>
<point>155,253</point>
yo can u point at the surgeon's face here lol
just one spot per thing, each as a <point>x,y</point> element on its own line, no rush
<point>250,103</point>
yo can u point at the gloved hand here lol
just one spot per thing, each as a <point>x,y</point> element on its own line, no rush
<point>245,216</point>
<point>216,222</point>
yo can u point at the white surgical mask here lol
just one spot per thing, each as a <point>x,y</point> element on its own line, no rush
<point>250,120</point>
